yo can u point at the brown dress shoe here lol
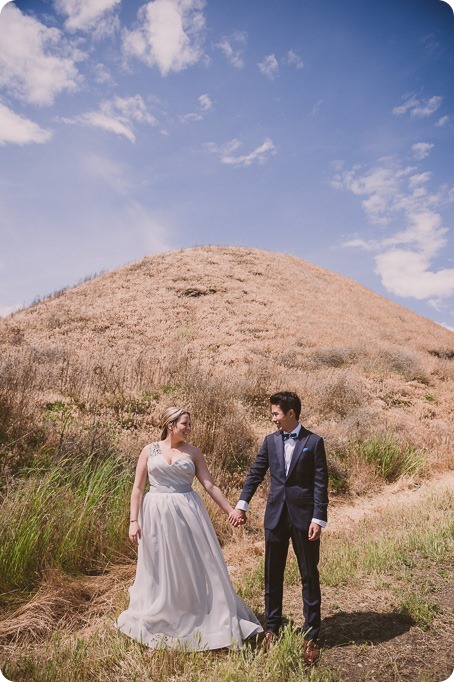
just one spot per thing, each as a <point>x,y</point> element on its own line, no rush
<point>269,639</point>
<point>311,652</point>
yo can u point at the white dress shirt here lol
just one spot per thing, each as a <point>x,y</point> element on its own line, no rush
<point>289,446</point>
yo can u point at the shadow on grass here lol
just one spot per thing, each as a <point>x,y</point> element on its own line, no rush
<point>362,627</point>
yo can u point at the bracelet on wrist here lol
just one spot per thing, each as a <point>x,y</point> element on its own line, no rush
<point>133,521</point>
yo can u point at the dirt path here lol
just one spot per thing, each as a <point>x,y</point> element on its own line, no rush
<point>403,491</point>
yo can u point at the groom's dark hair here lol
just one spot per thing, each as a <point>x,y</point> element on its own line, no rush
<point>287,400</point>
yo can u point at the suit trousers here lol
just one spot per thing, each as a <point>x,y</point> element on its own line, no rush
<point>307,554</point>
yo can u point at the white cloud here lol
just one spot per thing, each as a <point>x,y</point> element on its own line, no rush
<point>404,259</point>
<point>294,59</point>
<point>316,108</point>
<point>15,129</point>
<point>442,121</point>
<point>406,273</point>
<point>419,108</point>
<point>169,35</point>
<point>380,184</point>
<point>102,75</point>
<point>226,153</point>
<point>360,244</point>
<point>269,66</point>
<point>233,48</point>
<point>437,304</point>
<point>117,116</point>
<point>36,62</point>
<point>88,15</point>
<point>419,179</point>
<point>421,150</point>
<point>205,105</point>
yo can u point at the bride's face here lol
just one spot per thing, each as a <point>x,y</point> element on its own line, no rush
<point>182,428</point>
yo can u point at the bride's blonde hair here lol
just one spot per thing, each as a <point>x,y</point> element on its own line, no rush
<point>170,416</point>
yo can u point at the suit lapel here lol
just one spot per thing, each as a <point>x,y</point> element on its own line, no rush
<point>279,444</point>
<point>300,444</point>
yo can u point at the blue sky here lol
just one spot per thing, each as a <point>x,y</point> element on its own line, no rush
<point>318,128</point>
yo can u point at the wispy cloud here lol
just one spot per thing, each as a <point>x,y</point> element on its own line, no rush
<point>15,129</point>
<point>233,48</point>
<point>442,121</point>
<point>102,75</point>
<point>169,35</point>
<point>205,106</point>
<point>421,150</point>
<point>117,116</point>
<point>226,153</point>
<point>396,194</point>
<point>419,108</point>
<point>294,59</point>
<point>95,16</point>
<point>269,66</point>
<point>36,62</point>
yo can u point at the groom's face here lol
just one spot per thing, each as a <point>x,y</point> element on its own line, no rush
<point>284,422</point>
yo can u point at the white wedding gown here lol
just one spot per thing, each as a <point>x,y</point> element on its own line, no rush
<point>182,595</point>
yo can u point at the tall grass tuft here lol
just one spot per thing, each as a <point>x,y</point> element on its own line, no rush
<point>390,458</point>
<point>69,516</point>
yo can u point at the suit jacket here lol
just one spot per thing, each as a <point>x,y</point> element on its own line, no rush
<point>304,489</point>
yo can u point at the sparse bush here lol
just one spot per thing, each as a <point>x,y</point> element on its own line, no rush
<point>407,363</point>
<point>339,395</point>
<point>222,429</point>
<point>334,357</point>
<point>337,477</point>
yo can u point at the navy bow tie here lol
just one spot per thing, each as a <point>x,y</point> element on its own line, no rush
<point>286,436</point>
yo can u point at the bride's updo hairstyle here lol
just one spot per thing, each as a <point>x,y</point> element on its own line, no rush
<point>170,416</point>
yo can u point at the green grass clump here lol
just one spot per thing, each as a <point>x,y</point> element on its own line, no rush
<point>390,458</point>
<point>396,539</point>
<point>420,609</point>
<point>71,516</point>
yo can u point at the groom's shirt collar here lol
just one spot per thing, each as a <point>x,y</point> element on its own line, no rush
<point>296,430</point>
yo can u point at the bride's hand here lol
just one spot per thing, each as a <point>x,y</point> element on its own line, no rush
<point>237,517</point>
<point>134,532</point>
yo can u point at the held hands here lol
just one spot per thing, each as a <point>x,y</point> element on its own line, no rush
<point>237,517</point>
<point>134,532</point>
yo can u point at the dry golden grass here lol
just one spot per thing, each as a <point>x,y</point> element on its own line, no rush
<point>85,374</point>
<point>262,320</point>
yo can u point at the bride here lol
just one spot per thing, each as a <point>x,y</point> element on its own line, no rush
<point>182,595</point>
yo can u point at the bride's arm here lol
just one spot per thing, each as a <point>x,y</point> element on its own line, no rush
<point>205,478</point>
<point>140,481</point>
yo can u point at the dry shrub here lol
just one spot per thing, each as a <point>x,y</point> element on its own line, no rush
<point>334,357</point>
<point>255,387</point>
<point>222,428</point>
<point>407,363</point>
<point>339,394</point>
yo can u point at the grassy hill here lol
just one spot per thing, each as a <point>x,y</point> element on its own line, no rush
<point>85,373</point>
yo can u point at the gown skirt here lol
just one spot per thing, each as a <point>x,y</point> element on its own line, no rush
<point>182,596</point>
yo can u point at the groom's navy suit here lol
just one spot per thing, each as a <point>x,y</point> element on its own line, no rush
<point>294,500</point>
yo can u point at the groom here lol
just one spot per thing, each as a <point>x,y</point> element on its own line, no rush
<point>296,508</point>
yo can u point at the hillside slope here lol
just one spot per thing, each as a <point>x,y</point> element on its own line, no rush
<point>224,303</point>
